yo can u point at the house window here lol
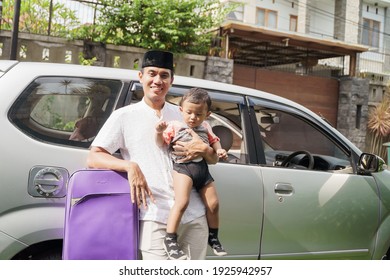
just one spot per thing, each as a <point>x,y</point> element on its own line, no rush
<point>293,23</point>
<point>266,18</point>
<point>371,32</point>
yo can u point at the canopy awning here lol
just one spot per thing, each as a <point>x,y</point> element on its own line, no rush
<point>262,47</point>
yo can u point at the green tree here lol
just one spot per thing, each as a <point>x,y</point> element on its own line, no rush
<point>34,17</point>
<point>180,26</point>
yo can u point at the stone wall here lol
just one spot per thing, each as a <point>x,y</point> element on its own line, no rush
<point>352,114</point>
<point>40,48</point>
<point>219,69</point>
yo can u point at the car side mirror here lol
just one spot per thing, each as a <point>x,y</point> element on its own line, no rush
<point>370,163</point>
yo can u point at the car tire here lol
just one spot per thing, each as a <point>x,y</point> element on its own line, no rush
<point>52,254</point>
<point>51,250</point>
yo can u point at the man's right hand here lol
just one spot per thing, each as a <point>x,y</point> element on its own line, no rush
<point>100,158</point>
<point>139,188</point>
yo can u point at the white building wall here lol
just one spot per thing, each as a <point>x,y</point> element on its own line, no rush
<point>375,13</point>
<point>284,8</point>
<point>317,18</point>
<point>321,13</point>
<point>373,60</point>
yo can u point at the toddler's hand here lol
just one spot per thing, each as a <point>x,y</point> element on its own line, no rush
<point>161,126</point>
<point>222,154</point>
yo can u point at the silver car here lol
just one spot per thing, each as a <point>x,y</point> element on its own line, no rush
<point>293,187</point>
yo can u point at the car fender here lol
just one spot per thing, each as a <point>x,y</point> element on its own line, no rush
<point>383,234</point>
<point>9,246</point>
<point>22,228</point>
<point>383,240</point>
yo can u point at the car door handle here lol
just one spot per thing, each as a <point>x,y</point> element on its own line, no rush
<point>283,189</point>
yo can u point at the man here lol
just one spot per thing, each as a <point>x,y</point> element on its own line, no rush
<point>131,131</point>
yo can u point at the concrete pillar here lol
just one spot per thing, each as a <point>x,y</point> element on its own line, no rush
<point>219,69</point>
<point>353,15</point>
<point>303,16</point>
<point>339,19</point>
<point>352,113</point>
<point>94,49</point>
<point>346,20</point>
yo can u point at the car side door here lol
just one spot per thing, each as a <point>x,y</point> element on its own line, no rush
<point>324,212</point>
<point>238,182</point>
<point>41,153</point>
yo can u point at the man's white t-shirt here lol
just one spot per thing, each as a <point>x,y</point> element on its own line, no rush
<point>131,130</point>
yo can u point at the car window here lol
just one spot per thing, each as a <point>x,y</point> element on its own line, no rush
<point>284,133</point>
<point>225,119</point>
<point>65,110</point>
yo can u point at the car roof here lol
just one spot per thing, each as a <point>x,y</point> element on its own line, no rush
<point>44,68</point>
<point>36,69</point>
<point>5,65</point>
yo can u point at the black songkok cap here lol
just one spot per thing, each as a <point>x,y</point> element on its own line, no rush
<point>160,59</point>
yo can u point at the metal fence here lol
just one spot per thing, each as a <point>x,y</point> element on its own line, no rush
<point>86,10</point>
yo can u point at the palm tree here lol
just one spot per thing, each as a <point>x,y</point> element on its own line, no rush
<point>65,83</point>
<point>379,127</point>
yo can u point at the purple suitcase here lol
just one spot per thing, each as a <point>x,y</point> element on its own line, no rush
<point>101,222</point>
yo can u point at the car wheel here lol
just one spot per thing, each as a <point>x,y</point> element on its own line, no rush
<point>51,254</point>
<point>51,250</point>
